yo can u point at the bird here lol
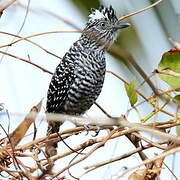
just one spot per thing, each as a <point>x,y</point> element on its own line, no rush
<point>78,79</point>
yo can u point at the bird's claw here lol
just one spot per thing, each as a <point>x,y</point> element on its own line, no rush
<point>96,131</point>
<point>87,128</point>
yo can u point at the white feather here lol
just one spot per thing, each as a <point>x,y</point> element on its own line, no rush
<point>96,15</point>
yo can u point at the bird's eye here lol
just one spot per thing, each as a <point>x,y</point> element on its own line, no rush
<point>103,24</point>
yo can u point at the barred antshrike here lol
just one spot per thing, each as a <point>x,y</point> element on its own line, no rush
<point>78,79</point>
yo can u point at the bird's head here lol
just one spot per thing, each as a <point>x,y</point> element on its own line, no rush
<point>103,26</point>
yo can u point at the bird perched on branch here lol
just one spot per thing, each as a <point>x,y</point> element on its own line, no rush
<point>78,79</point>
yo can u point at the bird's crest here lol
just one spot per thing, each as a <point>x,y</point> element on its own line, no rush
<point>103,13</point>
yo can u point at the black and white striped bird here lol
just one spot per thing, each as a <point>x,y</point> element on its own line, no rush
<point>78,79</point>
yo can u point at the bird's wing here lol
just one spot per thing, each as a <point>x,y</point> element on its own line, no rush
<point>59,85</point>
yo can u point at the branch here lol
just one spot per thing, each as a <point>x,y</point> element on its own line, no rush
<point>87,143</point>
<point>125,55</point>
<point>21,130</point>
<point>33,35</point>
<point>162,155</point>
<point>7,5</point>
<point>55,135</point>
<point>167,72</point>
<point>118,158</point>
<point>112,122</point>
<point>120,78</point>
<point>175,43</point>
<point>87,154</point>
<point>141,10</point>
<point>50,13</point>
<point>27,61</point>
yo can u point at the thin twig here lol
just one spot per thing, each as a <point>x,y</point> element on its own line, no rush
<point>107,114</point>
<point>43,139</point>
<point>168,72</point>
<point>87,143</point>
<point>164,154</point>
<point>175,43</point>
<point>118,158</point>
<point>7,5</point>
<point>124,81</point>
<point>21,27</point>
<point>25,60</point>
<point>88,154</point>
<point>141,10</point>
<point>51,13</point>
<point>149,141</point>
<point>34,35</point>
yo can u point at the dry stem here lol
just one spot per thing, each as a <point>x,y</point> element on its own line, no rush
<point>141,10</point>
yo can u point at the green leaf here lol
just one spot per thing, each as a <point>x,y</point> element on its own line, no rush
<point>178,130</point>
<point>131,91</point>
<point>177,97</point>
<point>170,61</point>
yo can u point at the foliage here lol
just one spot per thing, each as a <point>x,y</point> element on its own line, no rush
<point>170,62</point>
<point>131,91</point>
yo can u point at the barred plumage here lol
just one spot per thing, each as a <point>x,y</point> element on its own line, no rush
<point>78,79</point>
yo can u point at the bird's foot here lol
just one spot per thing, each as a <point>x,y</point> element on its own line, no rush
<point>96,131</point>
<point>86,127</point>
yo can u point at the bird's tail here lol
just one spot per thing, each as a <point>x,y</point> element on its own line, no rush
<point>51,145</point>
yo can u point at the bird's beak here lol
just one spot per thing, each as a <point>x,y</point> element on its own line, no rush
<point>120,25</point>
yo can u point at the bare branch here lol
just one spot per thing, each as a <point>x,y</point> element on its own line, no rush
<point>103,163</point>
<point>141,10</point>
<point>168,72</point>
<point>162,155</point>
<point>25,60</point>
<point>21,130</point>
<point>7,5</point>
